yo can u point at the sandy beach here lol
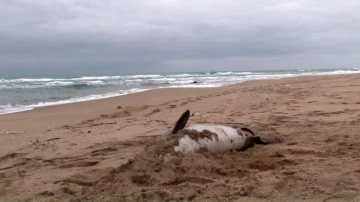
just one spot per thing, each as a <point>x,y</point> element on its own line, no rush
<point>96,150</point>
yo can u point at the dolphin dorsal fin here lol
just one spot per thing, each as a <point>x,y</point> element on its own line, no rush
<point>181,123</point>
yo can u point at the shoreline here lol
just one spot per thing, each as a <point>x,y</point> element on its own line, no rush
<point>144,90</point>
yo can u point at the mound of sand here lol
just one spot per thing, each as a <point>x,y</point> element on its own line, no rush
<point>194,176</point>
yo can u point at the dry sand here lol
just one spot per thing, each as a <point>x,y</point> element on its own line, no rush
<point>104,150</point>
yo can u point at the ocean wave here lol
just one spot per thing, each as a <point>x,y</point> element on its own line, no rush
<point>86,85</point>
<point>162,79</point>
<point>143,76</point>
<point>96,83</point>
<point>14,86</point>
<point>245,73</point>
<point>87,78</point>
<point>83,78</point>
<point>152,84</point>
<point>209,73</point>
<point>58,83</point>
<point>223,73</point>
<point>180,75</point>
<point>183,82</point>
<point>21,80</point>
<point>79,86</point>
<point>9,108</point>
<point>66,84</point>
<point>344,72</point>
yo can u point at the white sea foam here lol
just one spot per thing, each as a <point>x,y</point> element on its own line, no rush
<point>86,78</point>
<point>7,109</point>
<point>144,76</point>
<point>224,73</point>
<point>4,87</point>
<point>58,83</point>
<point>180,75</point>
<point>96,83</point>
<point>31,80</point>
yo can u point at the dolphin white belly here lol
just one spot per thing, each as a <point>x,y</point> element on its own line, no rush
<point>223,138</point>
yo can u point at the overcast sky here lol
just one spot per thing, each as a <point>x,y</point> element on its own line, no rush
<point>177,35</point>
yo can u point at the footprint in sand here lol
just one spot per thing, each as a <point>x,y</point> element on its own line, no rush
<point>262,166</point>
<point>101,124</point>
<point>195,180</point>
<point>153,112</point>
<point>11,156</point>
<point>145,107</point>
<point>282,184</point>
<point>341,197</point>
<point>104,116</point>
<point>46,193</point>
<point>124,113</point>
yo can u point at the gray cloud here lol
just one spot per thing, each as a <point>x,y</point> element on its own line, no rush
<point>173,35</point>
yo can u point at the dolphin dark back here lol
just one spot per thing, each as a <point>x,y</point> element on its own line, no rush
<point>181,123</point>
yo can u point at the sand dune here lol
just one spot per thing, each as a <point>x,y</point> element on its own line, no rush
<point>106,150</point>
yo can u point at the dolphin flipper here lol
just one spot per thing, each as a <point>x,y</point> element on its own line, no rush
<point>181,123</point>
<point>257,139</point>
<point>248,130</point>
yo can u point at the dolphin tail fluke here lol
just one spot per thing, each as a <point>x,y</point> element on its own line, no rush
<point>181,123</point>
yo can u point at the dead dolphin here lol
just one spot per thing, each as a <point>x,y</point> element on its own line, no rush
<point>212,137</point>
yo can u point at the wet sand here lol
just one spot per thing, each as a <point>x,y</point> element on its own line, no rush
<point>81,151</point>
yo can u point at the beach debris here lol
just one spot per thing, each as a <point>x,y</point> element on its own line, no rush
<point>49,130</point>
<point>195,114</point>
<point>36,142</point>
<point>195,82</point>
<point>10,132</point>
<point>118,107</point>
<point>53,139</point>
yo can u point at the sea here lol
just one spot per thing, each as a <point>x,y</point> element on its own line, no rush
<point>26,93</point>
